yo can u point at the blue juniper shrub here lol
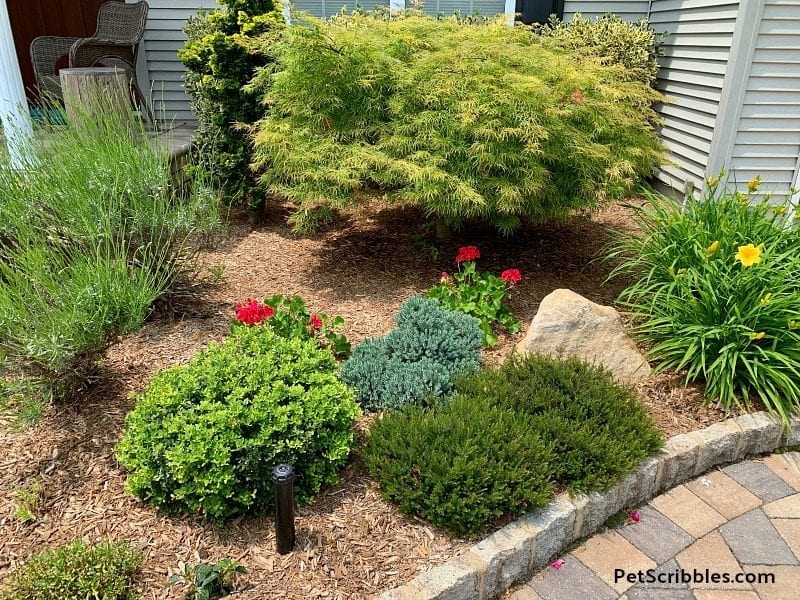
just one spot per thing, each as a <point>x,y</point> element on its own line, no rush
<point>416,360</point>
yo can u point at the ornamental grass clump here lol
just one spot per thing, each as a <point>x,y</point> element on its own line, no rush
<point>92,233</point>
<point>506,439</point>
<point>416,361</point>
<point>204,437</point>
<point>717,294</point>
<point>464,120</point>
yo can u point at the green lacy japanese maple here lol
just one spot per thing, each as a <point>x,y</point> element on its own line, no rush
<point>464,120</point>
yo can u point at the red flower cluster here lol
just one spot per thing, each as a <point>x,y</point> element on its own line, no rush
<point>315,321</point>
<point>252,312</point>
<point>577,96</point>
<point>511,276</point>
<point>467,253</point>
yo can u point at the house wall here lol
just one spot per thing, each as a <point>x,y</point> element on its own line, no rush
<point>465,7</point>
<point>630,10</point>
<point>328,8</point>
<point>692,75</point>
<point>159,63</point>
<point>767,140</point>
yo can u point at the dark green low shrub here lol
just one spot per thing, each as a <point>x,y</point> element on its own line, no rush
<point>76,572</point>
<point>598,429</point>
<point>461,464</point>
<point>507,437</point>
<point>416,360</point>
<point>204,437</point>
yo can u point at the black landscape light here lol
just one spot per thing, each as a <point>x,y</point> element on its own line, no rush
<point>283,478</point>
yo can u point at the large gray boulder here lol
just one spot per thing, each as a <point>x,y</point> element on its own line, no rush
<point>567,324</point>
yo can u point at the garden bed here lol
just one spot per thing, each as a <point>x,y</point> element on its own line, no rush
<point>351,543</point>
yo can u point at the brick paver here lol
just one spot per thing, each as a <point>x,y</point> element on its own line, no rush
<point>688,511</point>
<point>656,536</point>
<point>760,479</point>
<point>754,540</point>
<point>723,494</point>
<point>786,466</point>
<point>741,521</point>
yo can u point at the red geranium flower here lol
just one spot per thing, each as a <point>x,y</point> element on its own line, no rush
<point>511,276</point>
<point>316,322</point>
<point>467,253</point>
<point>252,312</point>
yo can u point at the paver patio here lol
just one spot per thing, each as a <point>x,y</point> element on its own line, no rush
<point>738,522</point>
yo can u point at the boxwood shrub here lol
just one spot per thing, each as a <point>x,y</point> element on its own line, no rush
<point>507,437</point>
<point>76,572</point>
<point>416,360</point>
<point>204,437</point>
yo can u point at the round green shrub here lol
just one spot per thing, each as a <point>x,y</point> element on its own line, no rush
<point>76,572</point>
<point>204,437</point>
<point>416,360</point>
<point>461,464</point>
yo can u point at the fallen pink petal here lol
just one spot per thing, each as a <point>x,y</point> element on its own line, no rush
<point>635,516</point>
<point>557,564</point>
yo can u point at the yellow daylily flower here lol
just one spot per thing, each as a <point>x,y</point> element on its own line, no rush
<point>779,210</point>
<point>757,336</point>
<point>749,255</point>
<point>712,248</point>
<point>753,184</point>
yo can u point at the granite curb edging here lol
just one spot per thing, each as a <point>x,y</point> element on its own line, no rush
<point>515,552</point>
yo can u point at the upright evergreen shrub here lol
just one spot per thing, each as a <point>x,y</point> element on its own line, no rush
<point>418,359</point>
<point>221,57</point>
<point>204,437</point>
<point>635,46</point>
<point>464,120</point>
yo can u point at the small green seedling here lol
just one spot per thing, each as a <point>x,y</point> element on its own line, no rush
<point>29,499</point>
<point>206,580</point>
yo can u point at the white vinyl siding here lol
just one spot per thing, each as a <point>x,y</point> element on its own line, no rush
<point>464,7</point>
<point>692,74</point>
<point>767,141</point>
<point>160,63</point>
<point>630,10</point>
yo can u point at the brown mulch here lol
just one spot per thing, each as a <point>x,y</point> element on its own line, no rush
<point>351,544</point>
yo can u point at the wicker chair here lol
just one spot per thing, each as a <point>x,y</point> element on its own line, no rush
<point>120,28</point>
